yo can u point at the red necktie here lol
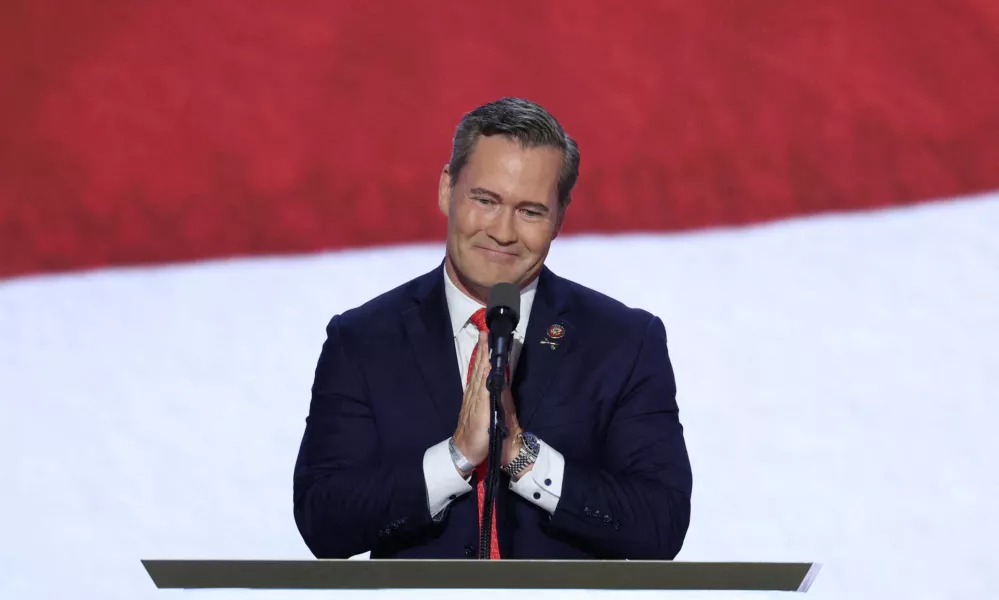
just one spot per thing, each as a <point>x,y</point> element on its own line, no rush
<point>479,320</point>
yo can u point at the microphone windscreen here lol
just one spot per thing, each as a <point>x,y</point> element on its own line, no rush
<point>504,295</point>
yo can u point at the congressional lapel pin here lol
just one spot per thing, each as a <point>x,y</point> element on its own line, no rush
<point>555,332</point>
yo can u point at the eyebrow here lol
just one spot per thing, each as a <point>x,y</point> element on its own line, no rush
<point>484,192</point>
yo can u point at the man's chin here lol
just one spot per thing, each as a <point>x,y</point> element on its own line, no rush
<point>485,277</point>
<point>484,274</point>
<point>493,274</point>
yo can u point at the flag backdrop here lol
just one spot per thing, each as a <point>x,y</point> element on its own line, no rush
<point>806,193</point>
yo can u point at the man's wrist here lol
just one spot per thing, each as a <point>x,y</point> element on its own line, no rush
<point>511,445</point>
<point>523,451</point>
<point>461,463</point>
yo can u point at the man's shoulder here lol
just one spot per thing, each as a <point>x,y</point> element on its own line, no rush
<point>609,325</point>
<point>380,311</point>
<point>596,306</point>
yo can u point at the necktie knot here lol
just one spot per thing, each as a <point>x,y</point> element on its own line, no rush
<point>479,320</point>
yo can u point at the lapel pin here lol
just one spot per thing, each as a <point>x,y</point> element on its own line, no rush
<point>555,332</point>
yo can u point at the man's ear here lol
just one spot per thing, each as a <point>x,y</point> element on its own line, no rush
<point>444,191</point>
<point>559,220</point>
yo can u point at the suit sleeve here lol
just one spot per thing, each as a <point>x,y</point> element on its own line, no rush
<point>634,503</point>
<point>346,499</point>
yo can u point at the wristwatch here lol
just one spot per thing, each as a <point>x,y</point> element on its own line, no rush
<point>463,464</point>
<point>530,447</point>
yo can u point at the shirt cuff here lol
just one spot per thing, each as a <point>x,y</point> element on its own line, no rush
<point>542,485</point>
<point>444,483</point>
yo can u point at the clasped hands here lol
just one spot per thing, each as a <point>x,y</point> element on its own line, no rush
<point>471,437</point>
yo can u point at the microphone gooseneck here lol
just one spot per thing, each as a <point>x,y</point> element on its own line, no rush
<point>502,317</point>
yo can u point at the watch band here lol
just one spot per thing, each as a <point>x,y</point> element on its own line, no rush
<point>460,462</point>
<point>530,447</point>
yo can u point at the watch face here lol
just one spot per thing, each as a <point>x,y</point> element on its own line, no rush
<point>531,443</point>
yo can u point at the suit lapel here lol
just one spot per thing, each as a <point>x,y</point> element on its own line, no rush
<point>428,330</point>
<point>544,348</point>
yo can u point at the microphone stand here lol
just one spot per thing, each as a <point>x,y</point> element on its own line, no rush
<point>496,382</point>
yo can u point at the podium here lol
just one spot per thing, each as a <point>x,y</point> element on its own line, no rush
<point>397,574</point>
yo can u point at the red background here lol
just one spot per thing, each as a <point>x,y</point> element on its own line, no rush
<point>139,132</point>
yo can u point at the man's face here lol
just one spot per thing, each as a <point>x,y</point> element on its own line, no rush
<point>503,214</point>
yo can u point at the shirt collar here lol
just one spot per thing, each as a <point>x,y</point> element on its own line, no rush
<point>461,306</point>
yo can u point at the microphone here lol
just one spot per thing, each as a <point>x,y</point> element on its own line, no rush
<point>502,316</point>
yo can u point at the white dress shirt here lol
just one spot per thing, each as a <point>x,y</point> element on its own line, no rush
<point>543,484</point>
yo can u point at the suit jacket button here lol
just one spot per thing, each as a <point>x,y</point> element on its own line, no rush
<point>607,519</point>
<point>469,551</point>
<point>586,511</point>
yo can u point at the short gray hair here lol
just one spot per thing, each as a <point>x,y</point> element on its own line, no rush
<point>527,123</point>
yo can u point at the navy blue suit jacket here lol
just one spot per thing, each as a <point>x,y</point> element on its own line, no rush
<point>387,387</point>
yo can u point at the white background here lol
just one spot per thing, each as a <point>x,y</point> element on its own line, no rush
<point>836,381</point>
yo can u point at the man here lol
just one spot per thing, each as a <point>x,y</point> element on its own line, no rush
<point>595,464</point>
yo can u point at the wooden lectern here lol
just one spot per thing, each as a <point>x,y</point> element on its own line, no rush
<point>480,574</point>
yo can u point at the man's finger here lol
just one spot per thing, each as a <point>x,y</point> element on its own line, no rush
<point>482,358</point>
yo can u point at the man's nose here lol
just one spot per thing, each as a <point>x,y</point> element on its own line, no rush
<point>502,227</point>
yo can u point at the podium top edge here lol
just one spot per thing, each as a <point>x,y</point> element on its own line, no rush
<point>432,573</point>
<point>466,561</point>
